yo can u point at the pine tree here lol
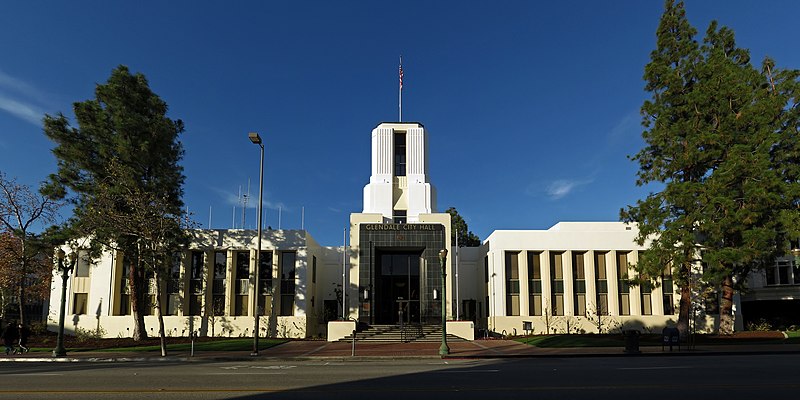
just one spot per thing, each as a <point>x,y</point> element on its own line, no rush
<point>719,135</point>
<point>672,156</point>
<point>124,143</point>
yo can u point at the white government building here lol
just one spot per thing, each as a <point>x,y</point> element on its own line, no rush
<point>566,279</point>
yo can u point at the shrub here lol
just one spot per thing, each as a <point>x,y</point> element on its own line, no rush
<point>760,325</point>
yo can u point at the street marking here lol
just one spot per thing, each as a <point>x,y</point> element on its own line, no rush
<point>33,374</point>
<point>236,367</point>
<point>467,372</point>
<point>635,368</point>
<point>245,373</point>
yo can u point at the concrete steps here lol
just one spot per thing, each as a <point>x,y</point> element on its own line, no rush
<point>404,334</point>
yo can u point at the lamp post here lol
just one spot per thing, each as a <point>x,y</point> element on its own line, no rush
<point>257,140</point>
<point>59,351</point>
<point>443,349</point>
<point>795,245</point>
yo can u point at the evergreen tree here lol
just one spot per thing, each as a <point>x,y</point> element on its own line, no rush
<point>718,134</point>
<point>459,227</point>
<point>673,155</point>
<point>124,143</point>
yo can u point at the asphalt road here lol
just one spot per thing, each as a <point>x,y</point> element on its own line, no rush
<point>681,378</point>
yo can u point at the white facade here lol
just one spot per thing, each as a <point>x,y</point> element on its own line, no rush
<point>213,299</point>
<point>399,177</point>
<point>566,279</point>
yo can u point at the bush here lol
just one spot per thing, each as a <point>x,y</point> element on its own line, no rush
<point>84,335</point>
<point>761,325</point>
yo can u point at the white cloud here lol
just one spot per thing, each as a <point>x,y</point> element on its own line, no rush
<point>629,125</point>
<point>562,187</point>
<point>27,112</point>
<point>23,103</point>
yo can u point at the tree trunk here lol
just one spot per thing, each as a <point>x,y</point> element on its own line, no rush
<point>161,334</point>
<point>135,286</point>
<point>21,290</point>
<point>21,300</point>
<point>684,308</point>
<point>726,307</point>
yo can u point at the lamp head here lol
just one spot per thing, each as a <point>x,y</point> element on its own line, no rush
<point>254,137</point>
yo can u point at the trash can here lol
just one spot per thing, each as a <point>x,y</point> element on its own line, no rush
<point>631,341</point>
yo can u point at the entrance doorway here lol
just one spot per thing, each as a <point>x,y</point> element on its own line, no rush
<point>397,287</point>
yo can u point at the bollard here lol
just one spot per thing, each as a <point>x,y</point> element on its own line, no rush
<point>191,337</point>
<point>353,351</point>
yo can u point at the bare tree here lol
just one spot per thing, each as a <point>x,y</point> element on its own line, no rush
<point>23,260</point>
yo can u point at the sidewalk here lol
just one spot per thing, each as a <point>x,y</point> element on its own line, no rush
<point>306,350</point>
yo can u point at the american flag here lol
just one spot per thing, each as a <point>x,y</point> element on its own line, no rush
<point>401,75</point>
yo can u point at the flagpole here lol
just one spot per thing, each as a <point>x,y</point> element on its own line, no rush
<point>400,100</point>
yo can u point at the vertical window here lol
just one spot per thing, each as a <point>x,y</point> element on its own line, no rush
<point>557,283</point>
<point>218,285</point>
<point>124,289</point>
<point>400,154</point>
<point>624,288</point>
<point>534,284</point>
<point>83,263</point>
<point>265,283</point>
<point>314,269</point>
<point>579,283</point>
<point>196,283</point>
<point>512,283</point>
<point>288,259</point>
<point>174,285</point>
<point>601,282</point>
<point>668,291</point>
<point>79,303</point>
<point>242,282</point>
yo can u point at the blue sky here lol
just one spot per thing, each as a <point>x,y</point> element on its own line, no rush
<point>531,107</point>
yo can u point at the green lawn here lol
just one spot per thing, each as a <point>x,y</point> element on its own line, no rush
<point>243,344</point>
<point>644,340</point>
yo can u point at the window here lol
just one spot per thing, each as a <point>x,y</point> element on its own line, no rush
<point>196,283</point>
<point>218,285</point>
<point>557,283</point>
<point>265,283</point>
<point>242,283</point>
<point>288,259</point>
<point>400,154</point>
<point>314,269</point>
<point>784,272</point>
<point>400,216</point>
<point>668,290</point>
<point>624,288</point>
<point>174,285</point>
<point>534,284</point>
<point>512,283</point>
<point>646,297</point>
<point>79,301</point>
<point>82,264</point>
<point>601,281</point>
<point>579,283</point>
<point>124,288</point>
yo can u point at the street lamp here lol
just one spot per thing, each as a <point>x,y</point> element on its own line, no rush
<point>443,349</point>
<point>795,245</point>
<point>257,140</point>
<point>59,351</point>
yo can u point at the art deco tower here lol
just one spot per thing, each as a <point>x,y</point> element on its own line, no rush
<point>398,187</point>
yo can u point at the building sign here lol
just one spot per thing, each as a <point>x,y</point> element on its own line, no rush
<point>403,227</point>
